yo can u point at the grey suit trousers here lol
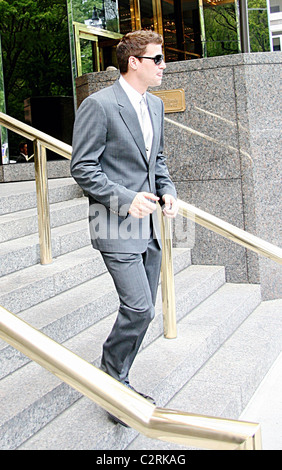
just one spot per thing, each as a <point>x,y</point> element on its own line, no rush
<point>136,279</point>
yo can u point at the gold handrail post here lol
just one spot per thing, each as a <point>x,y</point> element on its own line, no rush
<point>40,164</point>
<point>167,279</point>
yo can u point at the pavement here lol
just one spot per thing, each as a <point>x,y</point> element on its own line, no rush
<point>265,408</point>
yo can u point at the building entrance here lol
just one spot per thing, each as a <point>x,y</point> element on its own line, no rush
<point>191,28</point>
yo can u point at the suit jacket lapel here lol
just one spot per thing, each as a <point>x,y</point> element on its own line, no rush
<point>155,118</point>
<point>130,118</point>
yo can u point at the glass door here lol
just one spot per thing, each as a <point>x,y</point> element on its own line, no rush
<point>181,30</point>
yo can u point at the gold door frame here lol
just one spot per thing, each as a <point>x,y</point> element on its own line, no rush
<point>135,12</point>
<point>158,17</point>
<point>135,15</point>
<point>90,33</point>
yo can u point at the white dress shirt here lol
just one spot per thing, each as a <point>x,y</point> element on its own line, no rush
<point>135,97</point>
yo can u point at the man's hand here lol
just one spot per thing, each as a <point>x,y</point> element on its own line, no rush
<point>142,205</point>
<point>170,208</point>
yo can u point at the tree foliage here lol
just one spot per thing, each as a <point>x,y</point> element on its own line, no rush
<point>221,29</point>
<point>35,47</point>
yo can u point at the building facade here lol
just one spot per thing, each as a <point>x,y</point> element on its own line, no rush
<point>227,160</point>
<point>276,24</point>
<point>191,29</point>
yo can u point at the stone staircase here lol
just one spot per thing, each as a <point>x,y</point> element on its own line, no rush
<point>227,338</point>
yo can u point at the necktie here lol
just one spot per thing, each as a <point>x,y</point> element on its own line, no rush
<point>146,126</point>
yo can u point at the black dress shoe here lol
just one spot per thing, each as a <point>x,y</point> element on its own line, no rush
<point>150,399</point>
<point>147,397</point>
<point>115,420</point>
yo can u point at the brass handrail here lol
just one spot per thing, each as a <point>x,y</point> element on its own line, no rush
<point>159,423</point>
<point>205,219</point>
<point>153,422</point>
<point>41,142</point>
<point>31,133</point>
<point>237,235</point>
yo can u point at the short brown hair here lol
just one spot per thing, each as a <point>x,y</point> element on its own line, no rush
<point>135,44</point>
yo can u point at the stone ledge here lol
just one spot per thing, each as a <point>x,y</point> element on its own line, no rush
<point>25,171</point>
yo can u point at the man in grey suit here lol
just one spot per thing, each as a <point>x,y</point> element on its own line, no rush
<point>118,160</point>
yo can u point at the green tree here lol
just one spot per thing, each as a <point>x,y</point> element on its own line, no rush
<point>258,26</point>
<point>221,28</point>
<point>35,46</point>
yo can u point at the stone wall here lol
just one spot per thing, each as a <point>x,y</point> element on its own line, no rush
<point>25,171</point>
<point>228,160</point>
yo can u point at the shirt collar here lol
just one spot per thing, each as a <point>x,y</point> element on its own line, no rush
<point>134,96</point>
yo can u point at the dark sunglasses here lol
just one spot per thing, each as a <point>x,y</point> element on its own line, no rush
<point>157,59</point>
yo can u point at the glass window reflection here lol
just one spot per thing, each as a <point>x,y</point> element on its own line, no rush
<point>258,26</point>
<point>146,13</point>
<point>181,29</point>
<point>221,27</point>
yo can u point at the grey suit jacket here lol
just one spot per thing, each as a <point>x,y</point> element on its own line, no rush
<point>109,162</point>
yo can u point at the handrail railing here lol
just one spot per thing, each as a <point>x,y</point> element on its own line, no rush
<point>235,234</point>
<point>159,423</point>
<point>42,141</point>
<point>209,221</point>
<point>154,422</point>
<point>231,232</point>
<point>31,133</point>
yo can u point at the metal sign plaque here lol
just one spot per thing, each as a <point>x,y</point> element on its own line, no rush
<point>174,100</point>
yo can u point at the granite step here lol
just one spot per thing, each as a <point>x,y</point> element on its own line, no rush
<point>172,364</point>
<point>23,289</point>
<point>22,195</point>
<point>64,316</point>
<point>226,383</point>
<point>19,224</point>
<point>70,312</point>
<point>73,301</point>
<point>24,252</point>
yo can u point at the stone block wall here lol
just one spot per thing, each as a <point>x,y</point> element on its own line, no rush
<point>228,159</point>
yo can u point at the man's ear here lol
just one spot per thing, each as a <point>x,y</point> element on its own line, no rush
<point>133,62</point>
